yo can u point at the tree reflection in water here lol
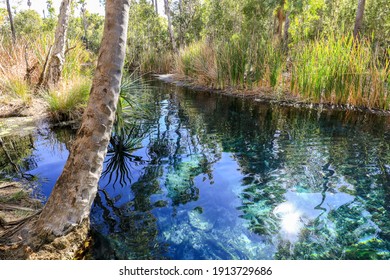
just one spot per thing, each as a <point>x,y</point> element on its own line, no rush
<point>218,177</point>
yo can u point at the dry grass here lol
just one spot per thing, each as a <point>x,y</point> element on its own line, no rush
<point>199,61</point>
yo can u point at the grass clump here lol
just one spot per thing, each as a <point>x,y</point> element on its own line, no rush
<point>66,102</point>
<point>17,88</point>
<point>14,197</point>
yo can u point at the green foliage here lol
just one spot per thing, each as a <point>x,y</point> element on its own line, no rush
<point>14,197</point>
<point>275,61</point>
<point>232,61</point>
<point>49,24</point>
<point>3,16</point>
<point>306,18</point>
<point>90,34</point>
<point>152,62</point>
<point>187,20</point>
<point>132,105</point>
<point>228,43</point>
<point>28,23</point>
<point>147,33</point>
<point>78,60</point>
<point>377,22</point>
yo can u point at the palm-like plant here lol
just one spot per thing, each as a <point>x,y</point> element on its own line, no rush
<point>130,128</point>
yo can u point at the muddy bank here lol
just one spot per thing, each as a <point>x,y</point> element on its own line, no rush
<point>266,95</point>
<point>16,108</point>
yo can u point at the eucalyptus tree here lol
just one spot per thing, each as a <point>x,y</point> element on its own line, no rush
<point>170,27</point>
<point>57,57</point>
<point>359,18</point>
<point>187,20</point>
<point>83,11</point>
<point>69,204</point>
<point>155,6</point>
<point>11,21</point>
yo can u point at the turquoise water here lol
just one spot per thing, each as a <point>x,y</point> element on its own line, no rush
<point>207,176</point>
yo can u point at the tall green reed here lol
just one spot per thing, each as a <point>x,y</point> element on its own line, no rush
<point>340,70</point>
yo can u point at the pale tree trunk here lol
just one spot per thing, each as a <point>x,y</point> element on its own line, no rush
<point>156,6</point>
<point>359,18</point>
<point>170,28</point>
<point>11,21</point>
<point>73,194</point>
<point>286,32</point>
<point>181,35</point>
<point>57,59</point>
<point>85,23</point>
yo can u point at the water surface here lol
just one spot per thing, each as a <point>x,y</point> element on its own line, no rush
<point>207,176</point>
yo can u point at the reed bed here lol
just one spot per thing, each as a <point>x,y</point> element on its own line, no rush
<point>335,69</point>
<point>341,71</point>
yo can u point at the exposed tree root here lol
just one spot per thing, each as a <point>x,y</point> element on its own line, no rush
<point>19,237</point>
<point>6,185</point>
<point>22,243</point>
<point>10,207</point>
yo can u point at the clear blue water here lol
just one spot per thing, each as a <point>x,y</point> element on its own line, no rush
<point>208,176</point>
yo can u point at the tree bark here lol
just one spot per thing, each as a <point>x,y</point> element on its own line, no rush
<point>279,19</point>
<point>57,59</point>
<point>73,194</point>
<point>359,18</point>
<point>286,32</point>
<point>85,25</point>
<point>11,22</point>
<point>156,6</point>
<point>170,28</point>
<point>181,32</point>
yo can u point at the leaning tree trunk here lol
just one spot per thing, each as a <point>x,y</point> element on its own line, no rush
<point>170,28</point>
<point>57,58</point>
<point>359,18</point>
<point>11,22</point>
<point>73,194</point>
<point>69,204</point>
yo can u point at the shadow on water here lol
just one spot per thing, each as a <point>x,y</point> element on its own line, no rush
<point>204,176</point>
